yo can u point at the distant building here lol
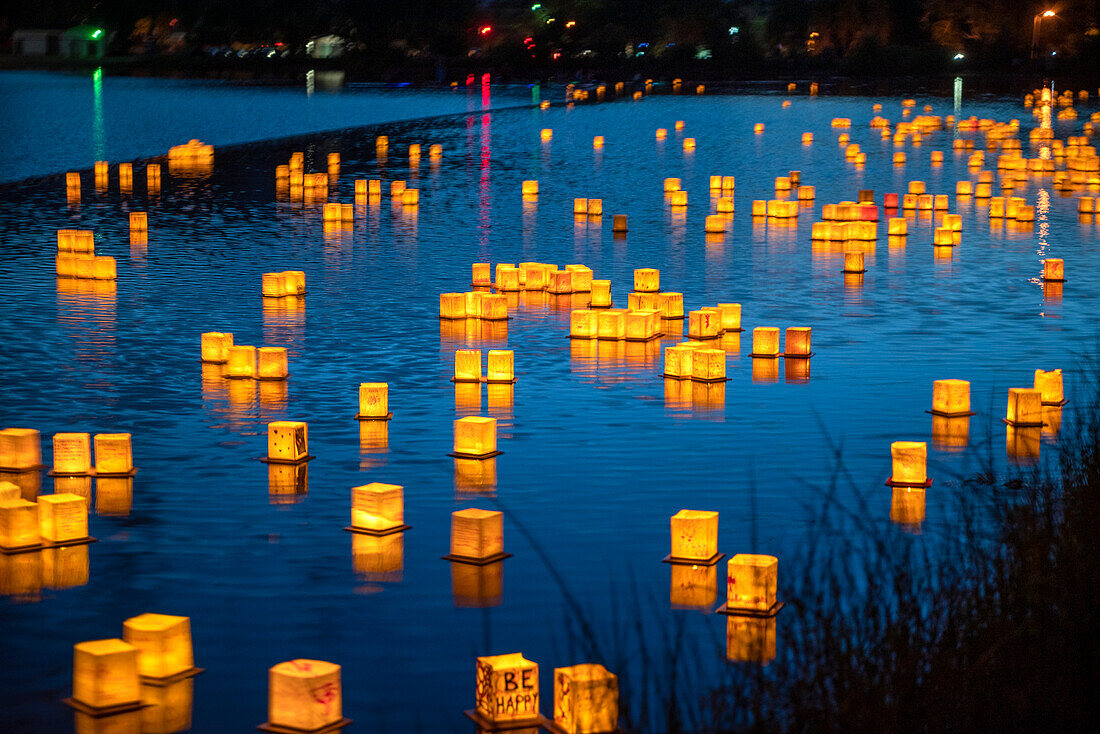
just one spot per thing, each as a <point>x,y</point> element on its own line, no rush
<point>36,42</point>
<point>84,42</point>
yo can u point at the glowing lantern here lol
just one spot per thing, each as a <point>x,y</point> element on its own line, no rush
<point>19,524</point>
<point>586,699</point>
<point>853,262</point>
<point>678,361</point>
<point>964,188</point>
<point>730,316</point>
<point>1049,385</point>
<point>113,454</point>
<point>475,437</point>
<point>601,294</point>
<point>689,144</point>
<point>163,642</point>
<point>1024,407</point>
<point>937,157</point>
<point>765,342</point>
<point>501,366</point>
<point>751,582</point>
<point>397,189</point>
<point>678,198</point>
<point>798,342</point>
<point>378,508</point>
<point>374,400</point>
<point>560,282</point>
<point>806,193</point>
<point>583,324</point>
<point>139,221</point>
<point>728,184</point>
<point>152,177</point>
<point>611,324</point>
<point>909,459</point>
<point>1054,269</point>
<point>759,208</point>
<point>546,134</point>
<point>708,365</point>
<point>758,128</point>
<point>640,326</point>
<point>943,237</point>
<point>897,227</point>
<point>671,184</point>
<point>467,365</point>
<point>105,675</point>
<point>477,535</point>
<point>271,363</point>
<point>951,398</point>
<point>304,695</point>
<point>72,453</point>
<point>507,690</point>
<point>241,362</point>
<point>899,159</point>
<point>595,207</point>
<point>410,197</point>
<point>647,280</point>
<point>481,274</point>
<point>381,142</point>
<point>530,188</point>
<point>671,305</point>
<point>103,268</point>
<point>1086,205</point>
<point>724,205</point>
<point>694,536</point>
<point>452,305</point>
<point>20,449</point>
<point>287,442</point>
<point>704,325</point>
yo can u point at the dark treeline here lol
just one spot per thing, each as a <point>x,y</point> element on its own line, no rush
<point>700,38</point>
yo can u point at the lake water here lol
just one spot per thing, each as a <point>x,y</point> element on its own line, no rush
<point>598,450</point>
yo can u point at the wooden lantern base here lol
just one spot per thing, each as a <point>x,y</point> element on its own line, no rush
<point>583,338</point>
<point>644,339</point>
<point>702,338</point>
<point>1053,280</point>
<point>213,361</point>
<point>676,561</point>
<point>755,355</point>
<point>361,417</point>
<point>807,355</point>
<point>944,414</point>
<point>479,457</point>
<point>538,721</point>
<point>610,305</point>
<point>556,729</point>
<point>279,729</point>
<point>1023,424</point>
<point>272,379</point>
<point>916,485</point>
<point>111,474</point>
<point>471,561</point>
<point>1058,404</point>
<point>854,272</point>
<point>269,460</point>
<point>55,473</point>
<point>98,712</point>
<point>22,469</point>
<point>378,533</point>
<point>756,613</point>
<point>287,295</point>
<point>168,680</point>
<point>487,381</point>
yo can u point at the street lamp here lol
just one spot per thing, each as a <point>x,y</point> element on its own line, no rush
<point>1037,26</point>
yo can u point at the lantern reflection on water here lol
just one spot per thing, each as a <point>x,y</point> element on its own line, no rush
<point>693,586</point>
<point>751,581</point>
<point>507,690</point>
<point>164,645</point>
<point>304,695</point>
<point>950,433</point>
<point>105,675</point>
<point>586,699</point>
<point>750,639</point>
<point>113,496</point>
<point>378,558</point>
<point>475,477</point>
<point>907,507</point>
<point>287,483</point>
<point>1022,444</point>
<point>477,586</point>
<point>374,438</point>
<point>168,707</point>
<point>64,567</point>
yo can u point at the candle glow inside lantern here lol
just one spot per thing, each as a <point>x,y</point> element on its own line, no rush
<point>72,453</point>
<point>374,401</point>
<point>475,437</point>
<point>477,535</point>
<point>105,675</point>
<point>271,363</point>
<point>694,537</point>
<point>909,460</point>
<point>20,449</point>
<point>641,325</point>
<point>1025,407</point>
<point>287,442</point>
<point>765,342</point>
<point>1054,269</point>
<point>751,582</point>
<point>546,134</point>
<point>19,524</point>
<point>1049,385</point>
<point>586,699</point>
<point>501,366</point>
<point>481,274</point>
<point>507,278</point>
<point>951,398</point>
<point>452,305</point>
<point>507,689</point>
<point>304,695</point>
<point>378,508</point>
<point>163,642</point>
<point>798,342</point>
<point>241,363</point>
<point>467,365</point>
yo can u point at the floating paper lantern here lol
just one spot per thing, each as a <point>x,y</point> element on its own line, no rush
<point>530,188</point>
<point>751,582</point>
<point>678,199</point>
<point>163,642</point>
<point>1024,407</point>
<point>758,128</point>
<point>410,197</point>
<point>113,454</point>
<point>647,280</point>
<point>397,189</point>
<point>215,346</point>
<point>20,449</point>
<point>853,262</point>
<point>641,325</point>
<point>304,695</point>
<point>671,305</point>
<point>715,224</point>
<point>759,208</point>
<point>798,342</point>
<point>730,316</point>
<point>765,341</point>
<point>689,144</point>
<point>909,459</point>
<point>481,273</point>
<point>139,221</point>
<point>374,400</point>
<point>597,142</point>
<point>694,536</point>
<point>501,366</point>
<point>271,363</point>
<point>560,282</point>
<point>19,524</point>
<point>595,207</point>
<point>678,361</point>
<point>467,365</point>
<point>951,398</point>
<point>241,362</point>
<point>475,436</point>
<point>618,224</point>
<point>708,365</point>
<point>72,453</point>
<point>583,324</point>
<point>452,305</point>
<point>1086,205</point>
<point>601,294</point>
<point>105,674</point>
<point>287,441</point>
<point>507,689</point>
<point>943,237</point>
<point>704,325</point>
<point>546,134</point>
<point>899,159</point>
<point>378,508</point>
<point>586,699</point>
<point>477,535</point>
<point>1049,385</point>
<point>382,142</point>
<point>1054,269</point>
<point>611,324</point>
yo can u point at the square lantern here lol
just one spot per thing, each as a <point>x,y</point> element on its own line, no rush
<point>611,324</point>
<point>507,689</point>
<point>1049,385</point>
<point>678,361</point>
<point>853,262</point>
<point>397,189</point>
<point>559,282</point>
<point>72,453</point>
<point>530,188</point>
<point>909,460</point>
<point>1054,269</point>
<point>163,642</point>
<point>507,278</point>
<point>647,280</point>
<point>62,517</point>
<point>287,441</point>
<point>583,324</point>
<point>730,316</point>
<point>18,524</point>
<point>765,342</point>
<point>751,584</point>
<point>467,365</point>
<point>215,346</point>
<point>694,536</point>
<point>642,325</point>
<point>581,278</point>
<point>105,674</point>
<point>295,283</point>
<point>494,307</point>
<point>452,305</point>
<point>595,208</point>
<point>797,344</point>
<point>750,639</point>
<point>704,325</point>
<point>1025,407</point>
<point>139,221</point>
<point>694,586</point>
<point>671,184</point>
<point>374,400</point>
<point>378,508</point>
<point>501,366</point>
<point>241,362</point>
<point>104,268</point>
<point>708,365</point>
<point>951,398</point>
<point>601,294</point>
<point>586,699</point>
<point>271,363</point>
<point>619,224</point>
<point>20,448</point>
<point>671,305</point>
<point>477,535</point>
<point>304,694</point>
<point>475,436</point>
<point>113,454</point>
